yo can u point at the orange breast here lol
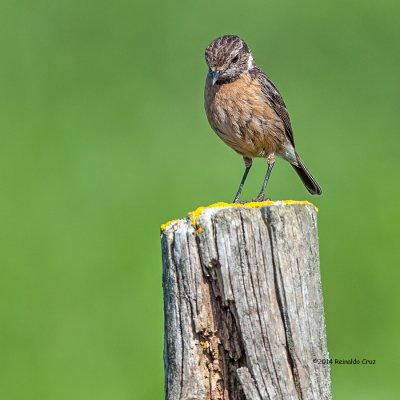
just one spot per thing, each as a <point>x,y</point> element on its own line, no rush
<point>243,118</point>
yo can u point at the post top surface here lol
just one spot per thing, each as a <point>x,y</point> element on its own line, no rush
<point>194,215</point>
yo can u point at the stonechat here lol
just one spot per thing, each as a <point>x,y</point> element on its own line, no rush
<point>247,112</point>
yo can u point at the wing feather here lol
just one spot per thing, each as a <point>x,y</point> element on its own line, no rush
<point>275,99</point>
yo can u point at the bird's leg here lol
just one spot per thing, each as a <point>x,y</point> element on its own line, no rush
<point>247,162</point>
<point>271,162</point>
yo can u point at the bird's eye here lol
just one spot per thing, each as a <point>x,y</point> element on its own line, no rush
<point>235,60</point>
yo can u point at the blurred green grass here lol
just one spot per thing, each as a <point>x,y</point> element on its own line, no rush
<point>104,137</point>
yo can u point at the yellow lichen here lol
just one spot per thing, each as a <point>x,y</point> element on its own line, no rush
<point>254,204</point>
<point>163,226</point>
<point>194,215</point>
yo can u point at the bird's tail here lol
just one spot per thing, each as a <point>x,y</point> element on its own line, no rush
<point>309,182</point>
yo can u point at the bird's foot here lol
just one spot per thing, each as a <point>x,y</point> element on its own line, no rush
<point>261,198</point>
<point>236,201</point>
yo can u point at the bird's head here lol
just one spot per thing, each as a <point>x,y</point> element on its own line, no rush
<point>228,57</point>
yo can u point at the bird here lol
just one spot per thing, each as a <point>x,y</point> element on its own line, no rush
<point>247,112</point>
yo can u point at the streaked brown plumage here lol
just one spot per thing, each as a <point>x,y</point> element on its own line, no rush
<point>247,112</point>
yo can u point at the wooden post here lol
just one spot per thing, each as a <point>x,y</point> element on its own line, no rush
<point>243,305</point>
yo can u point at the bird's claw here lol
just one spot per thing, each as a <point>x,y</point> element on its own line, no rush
<point>258,199</point>
<point>261,198</point>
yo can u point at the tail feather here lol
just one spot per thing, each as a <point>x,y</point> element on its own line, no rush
<point>309,182</point>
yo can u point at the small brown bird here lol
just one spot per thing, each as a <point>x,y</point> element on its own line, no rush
<point>247,112</point>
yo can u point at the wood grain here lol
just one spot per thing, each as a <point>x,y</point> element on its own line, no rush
<point>243,306</point>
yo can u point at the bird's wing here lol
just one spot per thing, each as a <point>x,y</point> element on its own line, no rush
<point>275,98</point>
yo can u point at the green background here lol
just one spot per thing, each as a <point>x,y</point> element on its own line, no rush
<point>104,137</point>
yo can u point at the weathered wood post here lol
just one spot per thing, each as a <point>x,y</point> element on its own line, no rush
<point>243,306</point>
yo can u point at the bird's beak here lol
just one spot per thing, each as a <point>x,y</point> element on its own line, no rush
<point>215,75</point>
